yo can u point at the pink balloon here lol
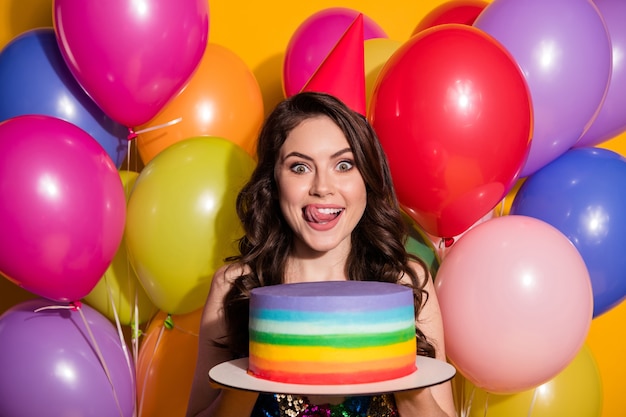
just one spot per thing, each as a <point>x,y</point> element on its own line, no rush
<point>62,207</point>
<point>132,57</point>
<point>314,39</point>
<point>516,301</point>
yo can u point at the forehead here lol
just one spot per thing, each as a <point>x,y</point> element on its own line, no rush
<point>315,135</point>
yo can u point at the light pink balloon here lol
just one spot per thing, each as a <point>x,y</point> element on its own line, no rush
<point>62,207</point>
<point>131,57</point>
<point>314,39</point>
<point>516,301</point>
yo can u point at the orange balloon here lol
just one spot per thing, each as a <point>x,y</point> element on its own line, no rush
<point>166,363</point>
<point>222,98</point>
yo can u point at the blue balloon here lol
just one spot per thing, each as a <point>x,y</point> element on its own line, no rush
<point>34,79</point>
<point>582,193</point>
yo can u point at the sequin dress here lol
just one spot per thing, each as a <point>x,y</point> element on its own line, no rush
<point>284,405</point>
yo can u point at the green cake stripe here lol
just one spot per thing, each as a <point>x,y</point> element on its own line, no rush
<point>336,340</point>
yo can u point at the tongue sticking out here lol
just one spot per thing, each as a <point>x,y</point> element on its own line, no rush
<point>311,214</point>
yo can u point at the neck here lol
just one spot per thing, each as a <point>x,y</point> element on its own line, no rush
<point>325,267</point>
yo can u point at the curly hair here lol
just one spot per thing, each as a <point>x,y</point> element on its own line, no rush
<point>377,251</point>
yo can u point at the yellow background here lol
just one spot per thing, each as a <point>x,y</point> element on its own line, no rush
<point>259,32</point>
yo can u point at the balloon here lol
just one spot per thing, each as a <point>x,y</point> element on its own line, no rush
<point>504,207</point>
<point>419,245</point>
<point>611,119</point>
<point>377,52</point>
<point>607,341</point>
<point>166,364</point>
<point>575,391</point>
<point>131,58</point>
<point>62,207</point>
<point>580,194</point>
<point>516,303</point>
<point>221,99</point>
<point>313,40</point>
<point>182,221</point>
<point>453,114</point>
<point>563,49</point>
<point>50,366</point>
<point>119,285</point>
<point>34,79</point>
<point>452,11</point>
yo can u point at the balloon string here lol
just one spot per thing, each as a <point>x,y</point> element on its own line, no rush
<point>470,400</point>
<point>532,402</point>
<point>132,134</point>
<point>486,404</point>
<point>120,334</point>
<point>145,377</point>
<point>76,306</point>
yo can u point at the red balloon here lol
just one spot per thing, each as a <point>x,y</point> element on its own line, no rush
<point>453,114</point>
<point>454,11</point>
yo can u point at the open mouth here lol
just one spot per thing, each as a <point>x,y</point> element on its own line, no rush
<point>321,214</point>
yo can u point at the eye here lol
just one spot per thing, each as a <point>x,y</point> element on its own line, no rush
<point>299,168</point>
<point>345,166</point>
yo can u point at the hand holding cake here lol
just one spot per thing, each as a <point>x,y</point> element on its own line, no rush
<point>322,290</point>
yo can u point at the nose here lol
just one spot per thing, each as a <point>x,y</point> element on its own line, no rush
<point>322,185</point>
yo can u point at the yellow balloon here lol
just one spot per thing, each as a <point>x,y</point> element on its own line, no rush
<point>376,53</point>
<point>120,283</point>
<point>181,221</point>
<point>576,391</point>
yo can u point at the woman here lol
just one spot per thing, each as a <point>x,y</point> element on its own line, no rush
<point>320,205</point>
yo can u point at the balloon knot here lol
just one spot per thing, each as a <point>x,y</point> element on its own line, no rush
<point>136,331</point>
<point>168,322</point>
<point>448,241</point>
<point>75,305</point>
<point>131,134</point>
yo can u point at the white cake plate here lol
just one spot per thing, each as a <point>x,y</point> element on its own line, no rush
<point>234,374</point>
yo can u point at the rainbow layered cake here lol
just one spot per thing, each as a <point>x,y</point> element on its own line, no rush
<point>335,332</point>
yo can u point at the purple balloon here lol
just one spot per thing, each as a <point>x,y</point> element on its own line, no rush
<point>50,366</point>
<point>314,39</point>
<point>611,120</point>
<point>563,49</point>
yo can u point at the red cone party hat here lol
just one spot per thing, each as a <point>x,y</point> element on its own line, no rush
<point>342,73</point>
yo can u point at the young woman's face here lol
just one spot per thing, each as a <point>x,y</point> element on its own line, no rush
<point>322,193</point>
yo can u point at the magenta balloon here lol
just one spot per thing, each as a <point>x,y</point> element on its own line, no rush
<point>516,302</point>
<point>132,57</point>
<point>563,49</point>
<point>611,120</point>
<point>314,39</point>
<point>50,368</point>
<point>62,207</point>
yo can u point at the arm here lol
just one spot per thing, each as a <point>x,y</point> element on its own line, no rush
<point>437,400</point>
<point>206,400</point>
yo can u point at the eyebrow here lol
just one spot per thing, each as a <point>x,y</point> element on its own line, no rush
<point>303,156</point>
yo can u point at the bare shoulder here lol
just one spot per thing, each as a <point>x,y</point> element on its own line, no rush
<point>421,274</point>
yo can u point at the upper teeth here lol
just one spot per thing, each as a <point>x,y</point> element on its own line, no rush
<point>329,210</point>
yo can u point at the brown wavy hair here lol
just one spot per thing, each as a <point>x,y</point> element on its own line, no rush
<point>377,253</point>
